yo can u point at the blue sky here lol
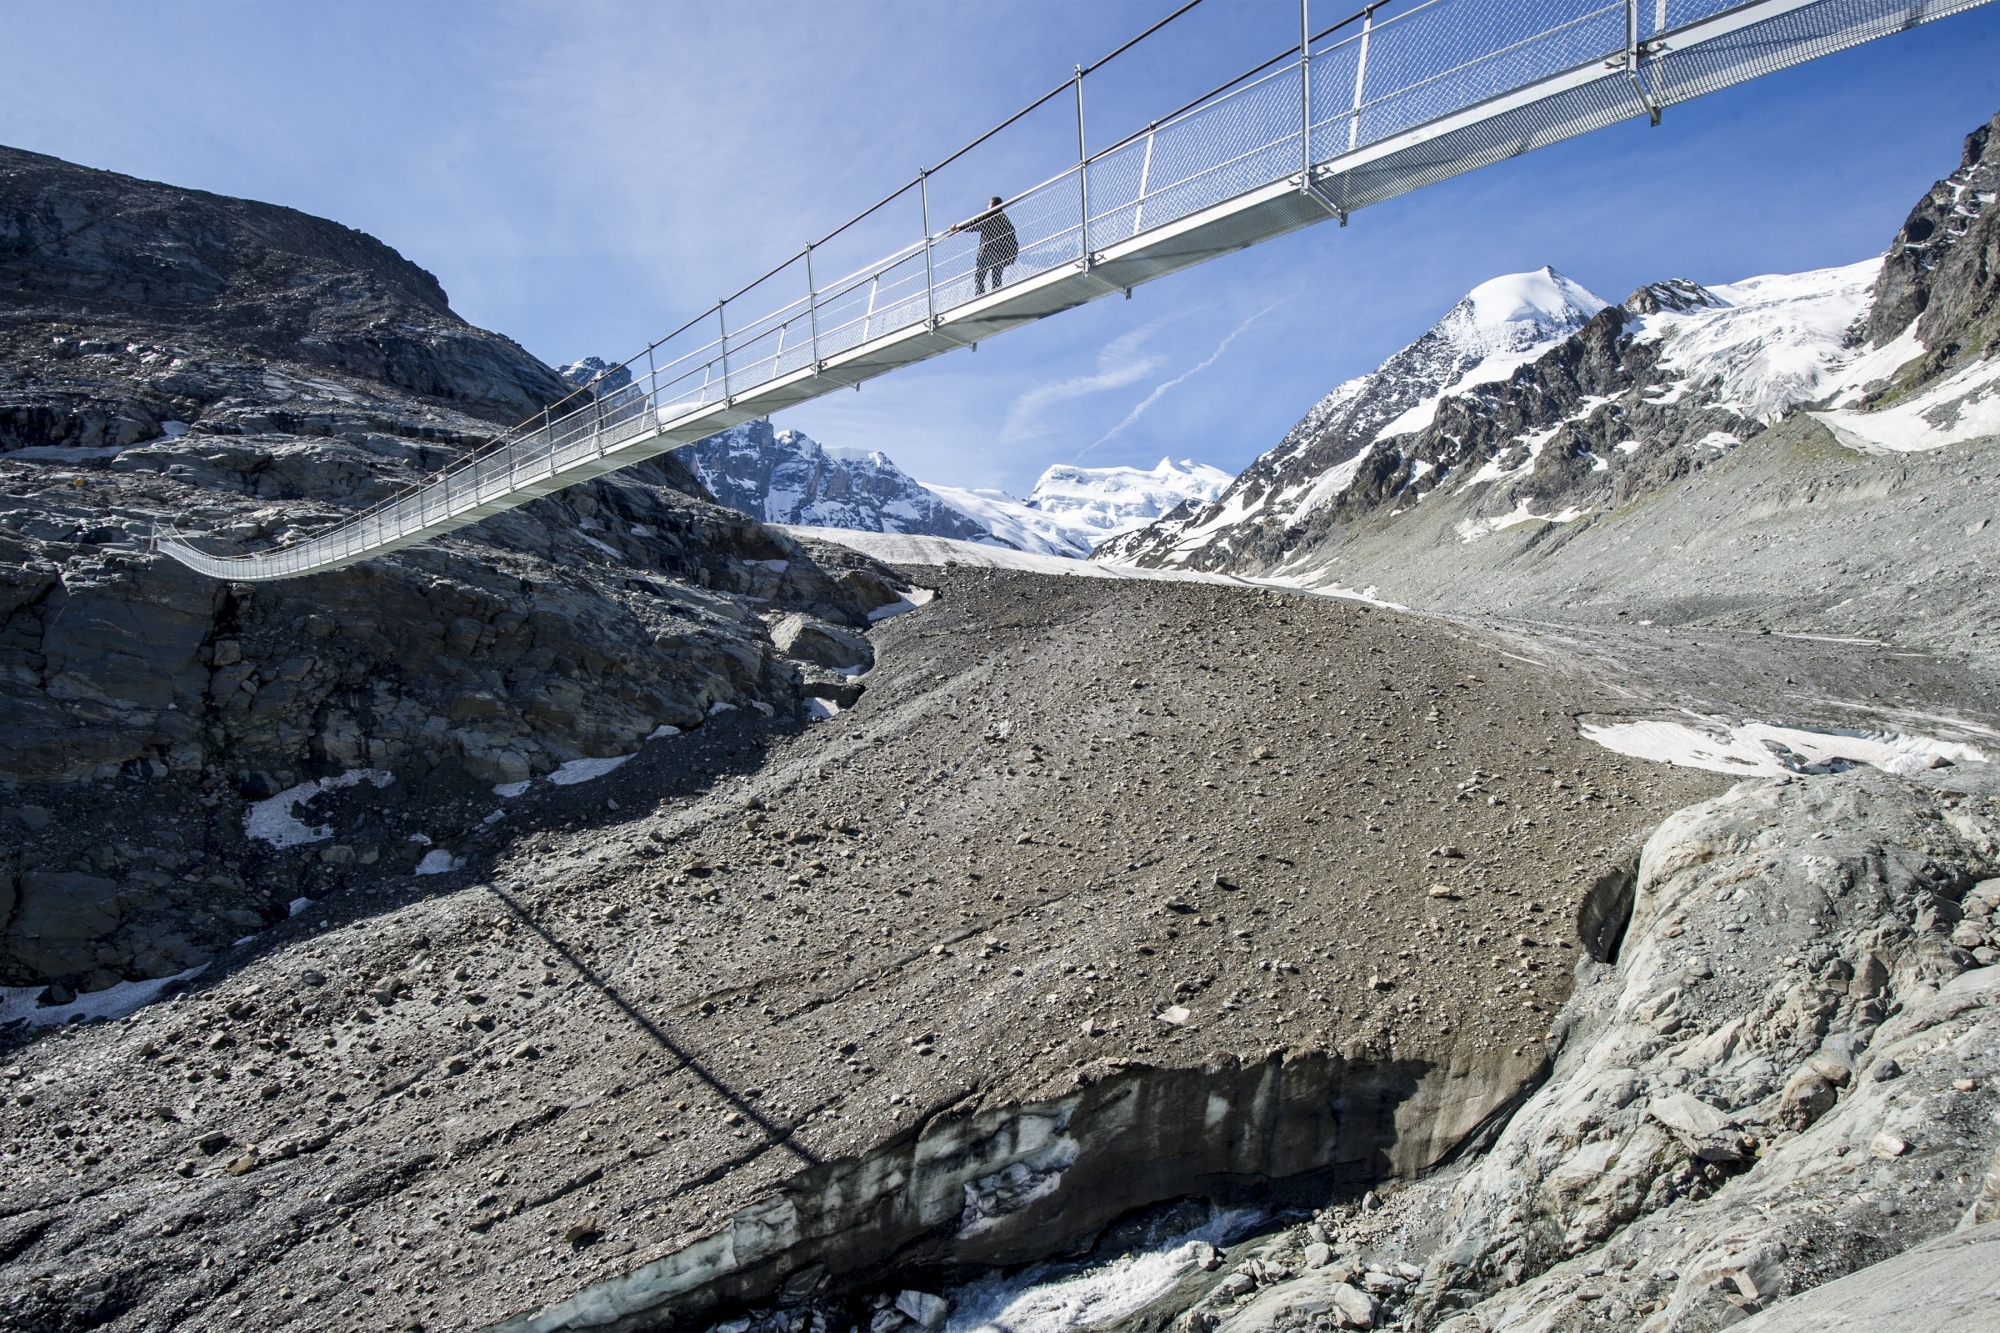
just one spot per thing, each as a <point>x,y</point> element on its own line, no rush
<point>583,177</point>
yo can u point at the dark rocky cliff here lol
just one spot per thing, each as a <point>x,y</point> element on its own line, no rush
<point>250,373</point>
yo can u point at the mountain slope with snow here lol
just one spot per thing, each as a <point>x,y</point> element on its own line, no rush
<point>1812,450</point>
<point>788,477</point>
<point>1496,328</point>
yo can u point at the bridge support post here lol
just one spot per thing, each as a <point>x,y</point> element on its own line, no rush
<point>722,327</point>
<point>1632,57</point>
<point>930,280</point>
<point>1082,175</point>
<point>1305,95</point>
<point>1307,185</point>
<point>649,401</point>
<point>812,306</point>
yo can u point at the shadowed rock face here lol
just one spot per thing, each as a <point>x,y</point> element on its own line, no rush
<point>1942,264</point>
<point>175,359</point>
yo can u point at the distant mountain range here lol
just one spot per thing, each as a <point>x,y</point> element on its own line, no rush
<point>786,476</point>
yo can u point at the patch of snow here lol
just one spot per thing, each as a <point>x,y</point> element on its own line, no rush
<point>495,817</point>
<point>819,710</point>
<point>1876,365</point>
<point>1757,749</point>
<point>298,905</point>
<point>719,707</point>
<point>276,821</point>
<point>22,1003</point>
<point>1471,530</point>
<point>439,862</point>
<point>509,790</point>
<point>421,839</point>
<point>583,770</point>
<point>608,550</point>
<point>909,601</point>
<point>660,733</point>
<point>1961,407</point>
<point>1330,483</point>
<point>1717,439</point>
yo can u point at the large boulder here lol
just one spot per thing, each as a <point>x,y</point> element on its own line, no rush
<point>809,639</point>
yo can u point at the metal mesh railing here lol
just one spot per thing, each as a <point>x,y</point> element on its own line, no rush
<point>1388,99</point>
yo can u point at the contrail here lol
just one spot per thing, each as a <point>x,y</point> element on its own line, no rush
<point>1160,389</point>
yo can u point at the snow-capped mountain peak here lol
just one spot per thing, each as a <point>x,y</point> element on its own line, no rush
<point>599,375</point>
<point>1499,326</point>
<point>1111,500</point>
<point>1516,310</point>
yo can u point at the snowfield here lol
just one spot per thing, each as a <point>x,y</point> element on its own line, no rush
<point>1775,342</point>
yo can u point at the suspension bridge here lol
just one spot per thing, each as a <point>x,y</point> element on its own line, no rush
<point>1388,99</point>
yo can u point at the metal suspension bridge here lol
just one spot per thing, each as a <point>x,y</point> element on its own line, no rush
<point>1396,96</point>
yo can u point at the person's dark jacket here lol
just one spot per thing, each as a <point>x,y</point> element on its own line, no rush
<point>997,242</point>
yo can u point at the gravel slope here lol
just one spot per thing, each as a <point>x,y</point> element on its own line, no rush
<point>653,1005</point>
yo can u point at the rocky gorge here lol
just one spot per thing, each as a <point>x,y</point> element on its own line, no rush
<point>623,914</point>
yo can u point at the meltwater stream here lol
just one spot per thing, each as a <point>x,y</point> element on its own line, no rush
<point>1059,1297</point>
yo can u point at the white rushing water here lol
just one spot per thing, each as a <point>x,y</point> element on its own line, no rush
<point>1061,1297</point>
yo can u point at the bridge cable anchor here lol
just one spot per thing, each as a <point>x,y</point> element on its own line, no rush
<point>1634,48</point>
<point>1310,188</point>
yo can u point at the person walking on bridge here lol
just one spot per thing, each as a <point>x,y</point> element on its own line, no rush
<point>998,246</point>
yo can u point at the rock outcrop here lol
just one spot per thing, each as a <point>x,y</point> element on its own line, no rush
<point>1789,1071</point>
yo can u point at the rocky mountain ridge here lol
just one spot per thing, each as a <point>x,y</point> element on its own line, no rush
<point>785,476</point>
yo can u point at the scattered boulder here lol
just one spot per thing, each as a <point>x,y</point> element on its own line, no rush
<point>809,639</point>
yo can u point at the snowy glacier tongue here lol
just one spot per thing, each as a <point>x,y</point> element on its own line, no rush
<point>1779,340</point>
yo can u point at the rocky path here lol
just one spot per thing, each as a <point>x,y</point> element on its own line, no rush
<point>1073,828</point>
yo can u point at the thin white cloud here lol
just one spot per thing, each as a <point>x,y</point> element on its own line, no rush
<point>1159,390</point>
<point>1118,365</point>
